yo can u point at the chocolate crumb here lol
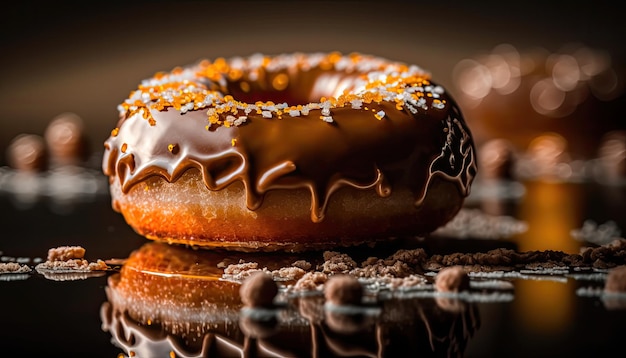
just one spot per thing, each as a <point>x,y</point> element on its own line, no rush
<point>258,290</point>
<point>616,280</point>
<point>336,262</point>
<point>70,258</point>
<point>452,279</point>
<point>64,253</point>
<point>13,267</point>
<point>311,281</point>
<point>343,290</point>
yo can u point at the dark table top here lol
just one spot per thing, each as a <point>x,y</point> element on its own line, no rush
<point>546,315</point>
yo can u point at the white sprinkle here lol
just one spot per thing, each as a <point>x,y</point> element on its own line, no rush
<point>356,103</point>
<point>240,120</point>
<point>439,105</point>
<point>422,103</point>
<point>327,119</point>
<point>380,114</point>
<point>266,114</point>
<point>294,113</point>
<point>325,111</point>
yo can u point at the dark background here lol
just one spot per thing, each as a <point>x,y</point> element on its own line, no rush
<point>86,57</point>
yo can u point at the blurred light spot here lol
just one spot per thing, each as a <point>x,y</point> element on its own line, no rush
<point>472,78</point>
<point>545,97</point>
<point>605,86</point>
<point>565,72</point>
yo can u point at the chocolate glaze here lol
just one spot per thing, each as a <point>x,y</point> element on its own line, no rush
<point>407,147</point>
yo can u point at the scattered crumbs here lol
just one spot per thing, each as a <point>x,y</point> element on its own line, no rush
<point>311,281</point>
<point>13,267</point>
<point>288,273</point>
<point>237,269</point>
<point>413,270</point>
<point>243,270</point>
<point>69,258</point>
<point>64,253</point>
<point>73,264</point>
<point>303,264</point>
<point>474,223</point>
<point>595,233</point>
<point>335,262</point>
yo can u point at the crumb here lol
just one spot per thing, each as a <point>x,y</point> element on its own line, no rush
<point>13,267</point>
<point>616,280</point>
<point>452,279</point>
<point>258,290</point>
<point>238,269</point>
<point>288,273</point>
<point>302,264</point>
<point>407,282</point>
<point>311,281</point>
<point>70,258</point>
<point>343,290</point>
<point>335,262</point>
<point>73,264</point>
<point>64,253</point>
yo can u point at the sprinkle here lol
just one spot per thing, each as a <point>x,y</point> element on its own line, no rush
<point>240,120</point>
<point>280,82</point>
<point>124,147</point>
<point>233,142</point>
<point>173,148</point>
<point>114,132</point>
<point>406,87</point>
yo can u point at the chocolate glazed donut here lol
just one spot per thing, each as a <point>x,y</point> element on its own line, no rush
<point>292,152</point>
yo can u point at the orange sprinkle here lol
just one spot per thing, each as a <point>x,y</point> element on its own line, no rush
<point>114,132</point>
<point>280,82</point>
<point>173,148</point>
<point>245,86</point>
<point>124,147</point>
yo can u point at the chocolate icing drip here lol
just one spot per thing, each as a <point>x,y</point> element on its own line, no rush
<point>378,143</point>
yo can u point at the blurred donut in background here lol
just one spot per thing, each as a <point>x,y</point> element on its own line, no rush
<point>27,153</point>
<point>575,93</point>
<point>66,140</point>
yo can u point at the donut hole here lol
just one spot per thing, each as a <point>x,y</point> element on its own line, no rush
<point>294,88</point>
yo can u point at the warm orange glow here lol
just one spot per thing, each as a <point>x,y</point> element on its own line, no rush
<point>551,210</point>
<point>544,306</point>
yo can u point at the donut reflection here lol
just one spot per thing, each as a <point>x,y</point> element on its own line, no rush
<point>173,301</point>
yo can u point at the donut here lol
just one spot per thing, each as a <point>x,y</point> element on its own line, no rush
<point>289,152</point>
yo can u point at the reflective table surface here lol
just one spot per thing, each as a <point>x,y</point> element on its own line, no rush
<point>144,306</point>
